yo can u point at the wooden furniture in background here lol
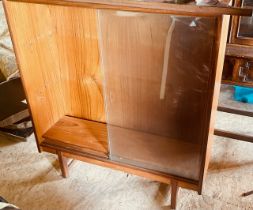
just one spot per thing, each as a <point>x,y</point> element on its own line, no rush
<point>14,114</point>
<point>238,66</point>
<point>136,95</point>
<point>238,70</point>
<point>242,27</point>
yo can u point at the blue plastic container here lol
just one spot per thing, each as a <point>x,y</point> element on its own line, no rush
<point>243,94</point>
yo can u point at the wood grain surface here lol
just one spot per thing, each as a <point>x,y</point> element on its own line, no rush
<point>239,50</point>
<point>155,6</point>
<point>82,135</point>
<point>58,58</point>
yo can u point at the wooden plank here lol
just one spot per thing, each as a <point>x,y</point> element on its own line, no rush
<point>235,111</point>
<point>11,102</point>
<point>14,118</point>
<point>148,6</point>
<point>244,84</point>
<point>58,59</point>
<point>12,137</point>
<point>239,50</point>
<point>25,124</point>
<point>233,135</point>
<point>77,134</point>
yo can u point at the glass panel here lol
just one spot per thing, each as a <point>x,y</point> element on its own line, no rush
<point>156,71</point>
<point>246,23</point>
<point>245,71</point>
<point>238,69</point>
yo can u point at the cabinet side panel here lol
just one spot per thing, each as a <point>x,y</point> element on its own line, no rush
<point>36,53</point>
<point>57,50</point>
<point>214,90</point>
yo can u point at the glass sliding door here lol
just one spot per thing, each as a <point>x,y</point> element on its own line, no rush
<point>156,70</point>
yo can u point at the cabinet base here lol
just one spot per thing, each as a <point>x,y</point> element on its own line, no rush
<point>175,182</point>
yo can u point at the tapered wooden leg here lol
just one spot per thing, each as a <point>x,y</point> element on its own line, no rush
<point>63,164</point>
<point>200,191</point>
<point>174,190</point>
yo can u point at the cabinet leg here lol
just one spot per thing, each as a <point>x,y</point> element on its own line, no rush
<point>63,164</point>
<point>200,191</point>
<point>174,190</point>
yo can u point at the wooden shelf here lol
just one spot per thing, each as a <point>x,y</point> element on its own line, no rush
<point>173,156</point>
<point>244,84</point>
<point>79,136</point>
<point>241,51</point>
<point>232,135</point>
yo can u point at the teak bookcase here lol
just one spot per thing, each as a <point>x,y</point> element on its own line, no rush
<point>130,85</point>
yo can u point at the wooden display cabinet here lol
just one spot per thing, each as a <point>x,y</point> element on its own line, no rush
<point>242,27</point>
<point>238,63</point>
<point>130,85</point>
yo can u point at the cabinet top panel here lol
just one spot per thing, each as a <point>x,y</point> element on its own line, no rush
<point>152,6</point>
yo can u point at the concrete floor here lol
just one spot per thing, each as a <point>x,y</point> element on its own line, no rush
<point>32,181</point>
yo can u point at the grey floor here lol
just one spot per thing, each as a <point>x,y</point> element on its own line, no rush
<point>232,122</point>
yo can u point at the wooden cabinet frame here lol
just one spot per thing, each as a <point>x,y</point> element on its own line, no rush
<point>235,22</point>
